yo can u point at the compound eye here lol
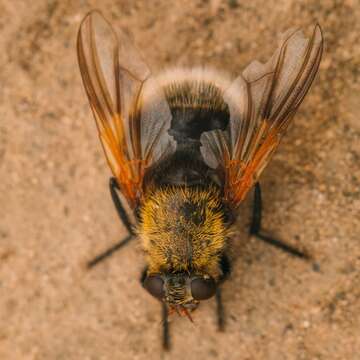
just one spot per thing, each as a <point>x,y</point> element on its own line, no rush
<point>154,284</point>
<point>203,289</point>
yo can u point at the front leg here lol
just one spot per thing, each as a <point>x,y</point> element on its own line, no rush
<point>166,330</point>
<point>164,316</point>
<point>220,310</point>
<point>255,228</point>
<point>113,186</point>
<point>225,266</point>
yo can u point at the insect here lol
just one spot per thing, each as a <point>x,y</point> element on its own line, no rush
<point>185,147</point>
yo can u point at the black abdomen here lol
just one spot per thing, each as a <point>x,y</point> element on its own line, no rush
<point>196,106</point>
<point>188,124</point>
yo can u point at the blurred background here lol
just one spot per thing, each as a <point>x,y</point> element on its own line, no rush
<point>56,212</point>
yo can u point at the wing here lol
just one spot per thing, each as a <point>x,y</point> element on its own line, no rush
<point>132,128</point>
<point>262,102</point>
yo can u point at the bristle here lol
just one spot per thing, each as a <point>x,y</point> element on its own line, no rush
<point>198,74</point>
<point>183,229</point>
<point>192,88</point>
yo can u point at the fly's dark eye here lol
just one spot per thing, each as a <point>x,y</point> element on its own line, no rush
<point>155,286</point>
<point>202,289</point>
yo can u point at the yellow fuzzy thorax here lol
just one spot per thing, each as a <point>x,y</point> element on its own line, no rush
<point>182,229</point>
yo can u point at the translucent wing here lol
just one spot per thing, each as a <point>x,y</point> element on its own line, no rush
<point>132,127</point>
<point>268,96</point>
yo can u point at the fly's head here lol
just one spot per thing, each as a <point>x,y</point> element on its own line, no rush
<point>182,292</point>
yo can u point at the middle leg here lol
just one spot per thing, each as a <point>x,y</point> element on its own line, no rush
<point>255,228</point>
<point>113,187</point>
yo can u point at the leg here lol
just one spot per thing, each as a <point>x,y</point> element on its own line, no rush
<point>220,310</point>
<point>255,228</point>
<point>119,207</point>
<point>225,266</point>
<point>164,315</point>
<point>109,252</point>
<point>165,323</point>
<point>124,219</point>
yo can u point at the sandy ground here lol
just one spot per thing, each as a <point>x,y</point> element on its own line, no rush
<point>56,212</point>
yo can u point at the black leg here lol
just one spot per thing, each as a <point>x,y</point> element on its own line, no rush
<point>164,316</point>
<point>225,266</point>
<point>109,251</point>
<point>257,211</point>
<point>220,310</point>
<point>255,228</point>
<point>119,207</point>
<point>124,219</point>
<point>165,323</point>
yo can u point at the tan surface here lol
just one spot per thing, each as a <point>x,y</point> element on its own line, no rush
<point>56,212</point>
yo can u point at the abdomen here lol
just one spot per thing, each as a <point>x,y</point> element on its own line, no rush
<point>195,99</point>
